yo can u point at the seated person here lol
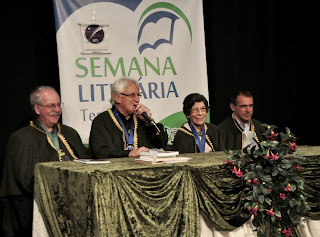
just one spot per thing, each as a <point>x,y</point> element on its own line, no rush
<point>122,131</point>
<point>197,136</point>
<point>43,140</point>
<point>237,126</point>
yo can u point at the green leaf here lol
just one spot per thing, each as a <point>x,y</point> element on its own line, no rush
<point>283,173</point>
<point>250,198</point>
<point>268,200</point>
<point>260,152</point>
<point>292,203</point>
<point>246,189</point>
<point>256,220</point>
<point>307,208</point>
<point>247,204</point>
<point>264,144</point>
<point>286,161</point>
<point>279,168</point>
<point>250,175</point>
<point>286,166</point>
<point>273,219</point>
<point>227,151</point>
<point>277,213</point>
<point>294,218</point>
<point>301,197</point>
<point>257,188</point>
<point>238,163</point>
<point>258,168</point>
<point>261,198</point>
<point>288,131</point>
<point>300,183</point>
<point>265,191</point>
<point>293,187</point>
<point>275,172</point>
<point>265,178</point>
<point>261,207</point>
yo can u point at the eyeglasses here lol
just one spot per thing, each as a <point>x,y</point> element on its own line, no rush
<point>202,109</point>
<point>133,95</point>
<point>52,106</point>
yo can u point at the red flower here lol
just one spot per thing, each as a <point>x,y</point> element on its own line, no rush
<point>229,162</point>
<point>283,196</point>
<point>296,167</point>
<point>287,232</point>
<point>254,181</point>
<point>288,189</point>
<point>273,136</point>
<point>293,146</point>
<point>270,212</point>
<point>253,210</point>
<point>238,173</point>
<point>268,155</point>
<point>272,156</point>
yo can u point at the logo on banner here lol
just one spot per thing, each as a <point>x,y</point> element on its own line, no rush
<point>153,14</point>
<point>94,37</point>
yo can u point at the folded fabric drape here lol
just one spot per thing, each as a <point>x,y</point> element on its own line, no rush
<point>124,198</point>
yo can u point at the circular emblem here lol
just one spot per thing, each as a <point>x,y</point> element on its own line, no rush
<point>94,33</point>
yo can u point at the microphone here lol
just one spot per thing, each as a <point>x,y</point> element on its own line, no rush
<point>144,114</point>
<point>150,120</point>
<point>146,117</point>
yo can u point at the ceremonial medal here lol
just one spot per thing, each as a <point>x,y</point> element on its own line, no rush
<point>63,155</point>
<point>129,148</point>
<point>129,134</point>
<point>61,152</point>
<point>200,138</point>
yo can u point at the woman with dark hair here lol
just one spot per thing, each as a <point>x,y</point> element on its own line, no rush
<point>197,136</point>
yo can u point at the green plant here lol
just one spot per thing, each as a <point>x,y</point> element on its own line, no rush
<point>272,192</point>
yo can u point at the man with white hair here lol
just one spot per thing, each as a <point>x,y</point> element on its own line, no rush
<point>122,131</point>
<point>44,139</point>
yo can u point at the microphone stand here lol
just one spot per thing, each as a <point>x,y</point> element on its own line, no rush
<point>151,121</point>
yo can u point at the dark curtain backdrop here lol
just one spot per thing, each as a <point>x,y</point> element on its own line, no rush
<point>266,46</point>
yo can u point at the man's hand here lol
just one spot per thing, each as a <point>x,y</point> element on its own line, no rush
<point>136,152</point>
<point>140,108</point>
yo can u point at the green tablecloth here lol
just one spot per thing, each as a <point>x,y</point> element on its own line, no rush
<point>125,198</point>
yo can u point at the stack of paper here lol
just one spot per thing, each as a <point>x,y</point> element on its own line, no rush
<point>92,161</point>
<point>160,157</point>
<point>158,153</point>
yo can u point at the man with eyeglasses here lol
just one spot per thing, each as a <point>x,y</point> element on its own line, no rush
<point>240,128</point>
<point>43,140</point>
<point>122,131</point>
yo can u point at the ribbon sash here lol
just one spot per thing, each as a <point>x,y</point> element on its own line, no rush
<point>201,143</point>
<point>129,138</point>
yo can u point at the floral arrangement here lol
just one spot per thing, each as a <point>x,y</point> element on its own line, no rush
<point>273,187</point>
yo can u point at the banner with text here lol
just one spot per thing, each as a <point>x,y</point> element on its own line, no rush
<point>161,44</point>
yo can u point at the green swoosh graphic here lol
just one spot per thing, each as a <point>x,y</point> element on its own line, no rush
<point>170,7</point>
